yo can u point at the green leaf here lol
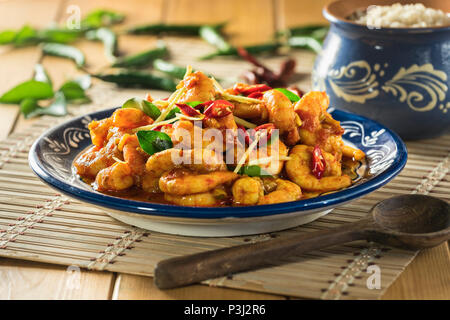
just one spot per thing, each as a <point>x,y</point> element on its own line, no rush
<point>64,51</point>
<point>154,141</point>
<point>109,39</point>
<point>147,107</point>
<point>73,92</point>
<point>59,35</point>
<point>291,96</point>
<point>41,75</point>
<point>29,89</point>
<point>254,171</point>
<point>101,18</point>
<point>84,81</point>
<point>193,104</point>
<point>30,108</point>
<point>173,113</point>
<point>26,35</point>
<point>7,36</point>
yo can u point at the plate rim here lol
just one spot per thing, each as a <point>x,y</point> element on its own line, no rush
<point>156,209</point>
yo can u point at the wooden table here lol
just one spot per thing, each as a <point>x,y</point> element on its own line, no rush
<point>250,22</point>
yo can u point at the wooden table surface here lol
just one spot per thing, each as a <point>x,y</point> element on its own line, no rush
<point>250,22</point>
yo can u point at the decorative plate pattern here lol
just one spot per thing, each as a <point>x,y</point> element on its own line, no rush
<point>52,155</point>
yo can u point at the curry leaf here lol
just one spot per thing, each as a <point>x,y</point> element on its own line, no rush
<point>7,36</point>
<point>65,51</point>
<point>29,89</point>
<point>30,107</point>
<point>291,96</point>
<point>73,92</point>
<point>154,141</point>
<point>109,39</point>
<point>254,171</point>
<point>41,75</point>
<point>147,107</point>
<point>101,18</point>
<point>193,104</point>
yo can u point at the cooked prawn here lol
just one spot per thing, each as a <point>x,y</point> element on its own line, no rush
<point>183,182</point>
<point>250,191</point>
<point>298,169</point>
<point>206,199</point>
<point>198,88</point>
<point>114,178</point>
<point>282,115</point>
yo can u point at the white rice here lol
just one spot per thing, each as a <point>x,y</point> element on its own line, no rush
<point>401,16</point>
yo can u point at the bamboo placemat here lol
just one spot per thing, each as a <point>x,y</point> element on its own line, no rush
<point>40,225</point>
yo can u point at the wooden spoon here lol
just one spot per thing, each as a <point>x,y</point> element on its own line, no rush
<point>406,221</point>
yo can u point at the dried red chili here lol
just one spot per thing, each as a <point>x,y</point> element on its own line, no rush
<point>188,110</point>
<point>266,130</point>
<point>255,95</point>
<point>219,109</point>
<point>159,128</point>
<point>254,88</point>
<point>243,133</point>
<point>318,162</point>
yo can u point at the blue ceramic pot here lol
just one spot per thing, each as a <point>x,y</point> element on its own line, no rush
<point>398,77</point>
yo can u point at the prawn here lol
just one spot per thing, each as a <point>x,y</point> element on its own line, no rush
<point>114,178</point>
<point>198,88</point>
<point>298,169</point>
<point>95,159</point>
<point>183,182</point>
<point>318,127</point>
<point>205,199</point>
<point>250,191</point>
<point>132,154</point>
<point>282,115</point>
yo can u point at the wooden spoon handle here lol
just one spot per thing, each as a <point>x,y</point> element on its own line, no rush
<point>180,271</point>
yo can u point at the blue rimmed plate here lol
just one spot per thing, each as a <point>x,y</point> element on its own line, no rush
<point>51,158</point>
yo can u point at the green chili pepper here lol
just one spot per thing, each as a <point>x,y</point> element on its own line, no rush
<point>302,42</point>
<point>143,58</point>
<point>159,28</point>
<point>65,51</point>
<point>138,79</point>
<point>214,37</point>
<point>256,49</point>
<point>306,30</point>
<point>169,68</point>
<point>109,39</point>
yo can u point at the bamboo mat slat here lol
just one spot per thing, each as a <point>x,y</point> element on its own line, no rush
<point>40,225</point>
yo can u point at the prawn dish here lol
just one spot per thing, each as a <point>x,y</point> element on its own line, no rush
<point>206,146</point>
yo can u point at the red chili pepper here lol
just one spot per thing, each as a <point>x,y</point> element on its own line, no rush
<point>265,130</point>
<point>188,110</point>
<point>219,109</point>
<point>255,95</point>
<point>255,88</point>
<point>243,132</point>
<point>159,128</point>
<point>318,162</point>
